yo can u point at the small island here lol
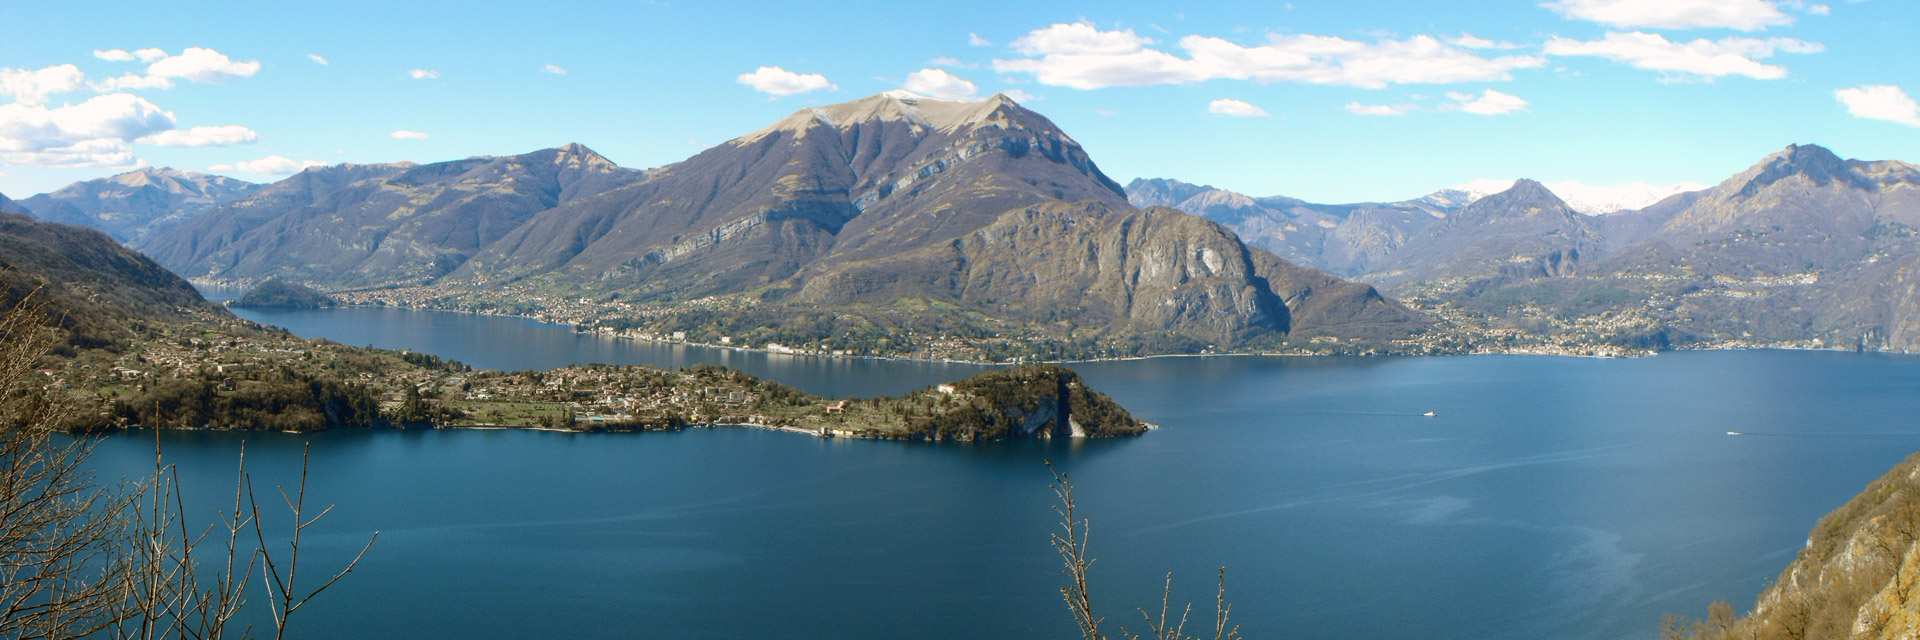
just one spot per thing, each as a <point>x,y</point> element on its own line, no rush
<point>280,294</point>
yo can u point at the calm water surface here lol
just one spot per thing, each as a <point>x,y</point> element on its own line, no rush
<point>1549,498</point>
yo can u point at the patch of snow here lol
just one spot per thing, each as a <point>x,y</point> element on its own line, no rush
<point>1589,199</point>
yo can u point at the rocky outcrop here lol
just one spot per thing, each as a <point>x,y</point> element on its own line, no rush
<point>280,294</point>
<point>1858,576</point>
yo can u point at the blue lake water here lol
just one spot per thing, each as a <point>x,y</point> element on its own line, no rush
<point>1548,497</point>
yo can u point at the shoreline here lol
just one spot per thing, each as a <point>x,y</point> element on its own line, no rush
<point>1516,351</point>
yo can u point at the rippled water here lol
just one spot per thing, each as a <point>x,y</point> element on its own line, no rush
<point>1548,497</point>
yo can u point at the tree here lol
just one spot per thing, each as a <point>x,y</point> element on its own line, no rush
<point>1071,543</point>
<point>80,559</point>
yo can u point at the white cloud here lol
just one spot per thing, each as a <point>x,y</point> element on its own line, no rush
<point>1701,59</point>
<point>196,64</point>
<point>975,40</point>
<point>1020,95</point>
<point>1236,108</point>
<point>1488,103</point>
<point>940,84</point>
<point>1880,102</point>
<point>33,87</point>
<point>317,58</point>
<point>149,54</point>
<point>113,55</point>
<point>950,61</point>
<point>404,134</point>
<point>1469,41</point>
<point>1377,109</point>
<point>268,166</point>
<point>102,152</point>
<point>423,74</point>
<point>776,81</point>
<point>117,116</point>
<point>1080,56</point>
<point>553,69</point>
<point>1745,15</point>
<point>221,136</point>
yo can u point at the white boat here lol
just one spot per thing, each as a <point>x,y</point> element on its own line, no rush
<point>1733,433</point>
<point>1428,414</point>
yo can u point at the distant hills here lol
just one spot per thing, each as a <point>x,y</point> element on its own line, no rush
<point>982,212</point>
<point>366,225</point>
<point>1804,247</point>
<point>132,205</point>
<point>857,223</point>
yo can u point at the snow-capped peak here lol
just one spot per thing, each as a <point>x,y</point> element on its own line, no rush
<point>1589,199</point>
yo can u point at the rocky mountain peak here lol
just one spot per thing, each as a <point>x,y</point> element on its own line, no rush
<point>574,154</point>
<point>900,105</point>
<point>1811,161</point>
<point>1525,193</point>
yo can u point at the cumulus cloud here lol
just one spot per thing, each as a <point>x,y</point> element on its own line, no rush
<point>268,166</point>
<point>94,133</point>
<point>113,55</point>
<point>1236,108</point>
<point>196,64</point>
<point>221,136</point>
<point>103,152</point>
<point>116,116</point>
<point>1081,56</point>
<point>1488,103</point>
<point>975,40</point>
<point>775,81</point>
<point>317,58</point>
<point>404,134</point>
<point>423,74</point>
<point>149,54</point>
<point>1699,59</point>
<point>553,69</point>
<point>1378,109</point>
<point>33,87</point>
<point>1744,15</point>
<point>940,84</point>
<point>1880,102</point>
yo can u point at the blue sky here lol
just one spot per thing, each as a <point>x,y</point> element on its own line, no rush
<point>1327,101</point>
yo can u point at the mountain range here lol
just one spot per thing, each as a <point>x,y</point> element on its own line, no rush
<point>1801,247</point>
<point>979,217</point>
<point>130,206</point>
<point>984,213</point>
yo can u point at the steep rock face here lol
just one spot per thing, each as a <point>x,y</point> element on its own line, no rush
<point>1150,270</point>
<point>1321,304</point>
<point>1524,232</point>
<point>360,225</point>
<point>133,205</point>
<point>864,180</point>
<point>1088,263</point>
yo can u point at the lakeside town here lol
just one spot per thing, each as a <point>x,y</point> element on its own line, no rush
<point>226,365</point>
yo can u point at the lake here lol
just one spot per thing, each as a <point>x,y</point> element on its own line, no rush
<point>1547,498</point>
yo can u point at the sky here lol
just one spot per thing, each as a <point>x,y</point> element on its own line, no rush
<point>1336,101</point>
